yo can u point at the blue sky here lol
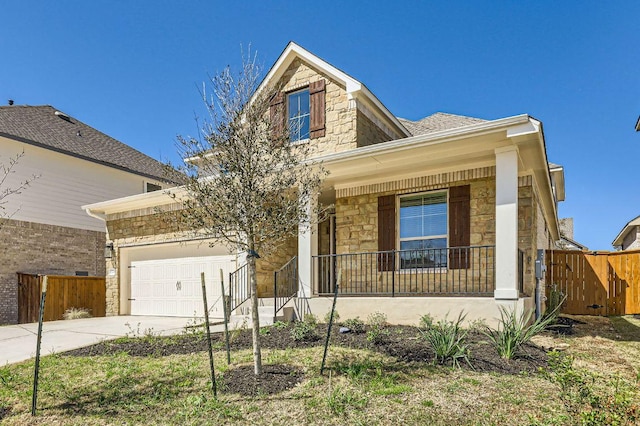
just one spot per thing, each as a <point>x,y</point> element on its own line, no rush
<point>131,69</point>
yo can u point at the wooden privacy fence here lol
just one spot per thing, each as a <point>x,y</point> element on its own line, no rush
<point>596,283</point>
<point>63,292</point>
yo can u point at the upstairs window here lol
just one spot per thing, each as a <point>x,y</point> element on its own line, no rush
<point>299,115</point>
<point>423,230</point>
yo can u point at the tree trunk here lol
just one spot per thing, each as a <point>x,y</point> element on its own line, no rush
<point>255,318</point>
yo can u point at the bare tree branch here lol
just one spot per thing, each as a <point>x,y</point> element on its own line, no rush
<point>248,184</point>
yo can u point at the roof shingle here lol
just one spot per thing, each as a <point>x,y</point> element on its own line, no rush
<point>49,128</point>
<point>437,122</point>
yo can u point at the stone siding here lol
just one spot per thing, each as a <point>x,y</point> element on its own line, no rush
<point>368,132</point>
<point>44,249</point>
<point>357,215</point>
<point>340,117</point>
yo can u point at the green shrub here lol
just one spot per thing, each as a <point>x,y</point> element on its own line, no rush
<point>447,340</point>
<point>426,321</point>
<point>554,303</point>
<point>356,325</point>
<point>306,330</point>
<point>280,325</point>
<point>377,319</point>
<point>336,317</point>
<point>514,331</point>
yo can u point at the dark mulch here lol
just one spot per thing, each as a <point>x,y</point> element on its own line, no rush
<point>4,412</point>
<point>563,325</point>
<point>274,379</point>
<point>404,343</point>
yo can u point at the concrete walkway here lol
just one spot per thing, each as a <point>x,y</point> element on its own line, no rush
<point>18,342</point>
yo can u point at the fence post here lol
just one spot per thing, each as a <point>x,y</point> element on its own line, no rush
<point>36,368</point>
<point>206,321</point>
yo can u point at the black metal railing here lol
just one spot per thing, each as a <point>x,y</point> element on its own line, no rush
<point>462,271</point>
<point>302,304</point>
<point>285,285</point>
<point>239,291</point>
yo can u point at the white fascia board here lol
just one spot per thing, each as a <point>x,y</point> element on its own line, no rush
<point>625,230</point>
<point>353,87</point>
<point>294,50</point>
<point>133,202</point>
<point>424,140</point>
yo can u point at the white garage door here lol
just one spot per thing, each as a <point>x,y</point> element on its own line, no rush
<point>171,287</point>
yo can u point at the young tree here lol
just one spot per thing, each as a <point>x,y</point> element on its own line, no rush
<point>247,185</point>
<point>8,189</point>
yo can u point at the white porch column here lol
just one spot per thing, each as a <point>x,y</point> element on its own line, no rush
<point>506,224</point>
<point>307,247</point>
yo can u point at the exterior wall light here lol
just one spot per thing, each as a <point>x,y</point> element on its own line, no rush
<point>108,250</point>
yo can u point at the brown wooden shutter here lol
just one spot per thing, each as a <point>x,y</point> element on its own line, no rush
<point>276,115</point>
<point>386,231</point>
<point>317,109</point>
<point>459,226</point>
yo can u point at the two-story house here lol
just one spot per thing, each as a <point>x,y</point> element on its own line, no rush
<point>44,229</point>
<point>438,215</point>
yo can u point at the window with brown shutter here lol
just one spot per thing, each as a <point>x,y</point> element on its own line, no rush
<point>317,107</point>
<point>386,231</point>
<point>459,226</point>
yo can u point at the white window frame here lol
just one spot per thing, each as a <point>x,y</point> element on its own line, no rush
<point>431,237</point>
<point>289,94</point>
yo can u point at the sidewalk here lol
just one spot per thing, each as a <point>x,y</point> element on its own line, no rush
<point>18,342</point>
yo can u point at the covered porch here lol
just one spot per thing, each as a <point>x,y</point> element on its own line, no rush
<point>510,204</point>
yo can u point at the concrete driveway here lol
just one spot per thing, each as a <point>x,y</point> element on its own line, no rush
<point>18,342</point>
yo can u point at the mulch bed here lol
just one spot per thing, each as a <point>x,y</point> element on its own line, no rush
<point>404,343</point>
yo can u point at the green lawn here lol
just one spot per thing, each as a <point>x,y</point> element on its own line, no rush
<point>362,387</point>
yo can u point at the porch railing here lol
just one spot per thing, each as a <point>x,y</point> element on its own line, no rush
<point>238,287</point>
<point>461,271</point>
<point>285,285</point>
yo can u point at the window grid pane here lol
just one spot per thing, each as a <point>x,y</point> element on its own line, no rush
<point>423,230</point>
<point>299,115</point>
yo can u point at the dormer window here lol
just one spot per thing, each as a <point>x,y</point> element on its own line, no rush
<point>299,115</point>
<point>302,110</point>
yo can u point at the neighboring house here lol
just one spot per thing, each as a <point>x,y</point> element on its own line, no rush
<point>47,231</point>
<point>432,216</point>
<point>638,125</point>
<point>629,237</point>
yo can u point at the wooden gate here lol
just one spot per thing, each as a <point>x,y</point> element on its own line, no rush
<point>596,283</point>
<point>63,292</point>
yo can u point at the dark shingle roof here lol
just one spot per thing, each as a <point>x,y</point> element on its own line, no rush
<point>49,128</point>
<point>437,122</point>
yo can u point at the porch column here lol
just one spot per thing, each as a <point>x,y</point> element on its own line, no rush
<point>307,247</point>
<point>506,256</point>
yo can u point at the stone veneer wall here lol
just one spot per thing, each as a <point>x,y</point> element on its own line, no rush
<point>340,118</point>
<point>148,226</point>
<point>357,214</point>
<point>368,132</point>
<point>43,249</point>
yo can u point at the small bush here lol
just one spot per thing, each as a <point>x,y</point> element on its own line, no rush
<point>377,319</point>
<point>447,340</point>
<point>280,325</point>
<point>76,313</point>
<point>306,330</point>
<point>514,331</point>
<point>426,321</point>
<point>336,317</point>
<point>554,303</point>
<point>377,335</point>
<point>356,325</point>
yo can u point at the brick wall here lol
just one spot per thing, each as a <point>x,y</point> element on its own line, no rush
<point>44,249</point>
